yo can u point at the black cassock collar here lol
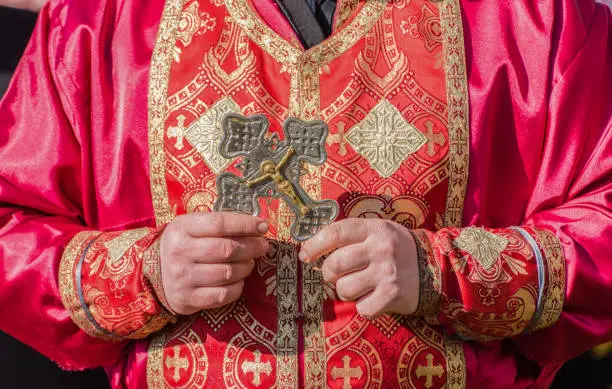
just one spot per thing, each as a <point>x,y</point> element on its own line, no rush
<point>310,19</point>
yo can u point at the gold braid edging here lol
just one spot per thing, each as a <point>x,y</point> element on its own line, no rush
<point>68,282</point>
<point>555,279</point>
<point>458,110</point>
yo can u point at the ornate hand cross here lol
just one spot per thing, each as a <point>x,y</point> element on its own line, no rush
<point>272,168</point>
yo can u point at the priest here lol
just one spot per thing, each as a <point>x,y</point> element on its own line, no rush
<point>425,187</point>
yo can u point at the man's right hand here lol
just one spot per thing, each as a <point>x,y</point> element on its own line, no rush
<point>205,258</point>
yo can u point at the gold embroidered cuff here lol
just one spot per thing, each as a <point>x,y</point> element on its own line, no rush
<point>70,286</point>
<point>553,294</point>
<point>152,272</point>
<point>430,289</point>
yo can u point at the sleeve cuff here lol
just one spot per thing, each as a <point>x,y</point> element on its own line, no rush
<point>489,284</point>
<point>110,282</point>
<point>69,288</point>
<point>553,275</point>
<point>430,289</point>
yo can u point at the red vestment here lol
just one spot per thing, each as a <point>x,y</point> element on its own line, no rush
<point>456,119</point>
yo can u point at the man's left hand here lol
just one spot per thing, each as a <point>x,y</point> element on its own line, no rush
<point>371,261</point>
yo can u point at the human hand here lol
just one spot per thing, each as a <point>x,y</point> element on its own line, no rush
<point>374,264</point>
<point>205,258</point>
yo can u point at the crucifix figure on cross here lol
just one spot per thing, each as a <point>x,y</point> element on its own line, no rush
<point>272,168</point>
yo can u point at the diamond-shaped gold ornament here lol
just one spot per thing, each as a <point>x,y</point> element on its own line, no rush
<point>205,133</point>
<point>385,138</point>
<point>482,245</point>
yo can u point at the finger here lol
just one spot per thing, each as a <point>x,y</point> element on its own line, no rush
<point>223,250</point>
<point>355,285</point>
<point>216,224</point>
<point>334,236</point>
<point>216,296</point>
<point>375,303</point>
<point>345,260</point>
<point>220,274</point>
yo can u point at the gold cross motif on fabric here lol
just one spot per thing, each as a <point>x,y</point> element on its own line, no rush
<point>272,168</point>
<point>257,367</point>
<point>177,363</point>
<point>429,371</point>
<point>346,372</point>
<point>205,133</point>
<point>339,138</point>
<point>433,138</point>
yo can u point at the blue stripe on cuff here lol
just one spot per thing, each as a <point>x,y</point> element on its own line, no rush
<point>79,283</point>
<point>541,273</point>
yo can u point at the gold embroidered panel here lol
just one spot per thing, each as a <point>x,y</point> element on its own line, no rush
<point>385,138</point>
<point>481,244</point>
<point>398,148</point>
<point>205,133</point>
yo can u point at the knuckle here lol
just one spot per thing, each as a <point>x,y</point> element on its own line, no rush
<point>365,310</point>
<point>264,246</point>
<point>175,273</point>
<point>385,249</point>
<point>186,299</point>
<point>217,222</point>
<point>222,296</point>
<point>393,292</point>
<point>250,267</point>
<point>335,234</point>
<point>228,272</point>
<point>345,290</point>
<point>390,270</point>
<point>338,264</point>
<point>227,249</point>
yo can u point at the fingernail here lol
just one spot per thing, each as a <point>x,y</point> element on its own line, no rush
<point>303,256</point>
<point>262,228</point>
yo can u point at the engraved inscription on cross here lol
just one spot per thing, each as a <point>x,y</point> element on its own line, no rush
<point>272,168</point>
<point>257,368</point>
<point>346,372</point>
<point>429,371</point>
<point>177,363</point>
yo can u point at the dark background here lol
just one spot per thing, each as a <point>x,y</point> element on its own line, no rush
<point>22,367</point>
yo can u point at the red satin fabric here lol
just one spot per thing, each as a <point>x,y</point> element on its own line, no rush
<point>540,84</point>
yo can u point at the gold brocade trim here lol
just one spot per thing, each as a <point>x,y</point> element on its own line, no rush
<point>430,289</point>
<point>68,285</point>
<point>344,10</point>
<point>315,358</point>
<point>152,272</point>
<point>161,62</point>
<point>287,303</point>
<point>155,362</point>
<point>458,110</point>
<point>554,288</point>
<point>303,66</point>
<point>154,325</point>
<point>456,370</point>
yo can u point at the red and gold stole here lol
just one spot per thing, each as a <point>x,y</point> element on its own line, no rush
<point>390,82</point>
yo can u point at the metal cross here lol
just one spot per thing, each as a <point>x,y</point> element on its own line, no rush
<point>272,168</point>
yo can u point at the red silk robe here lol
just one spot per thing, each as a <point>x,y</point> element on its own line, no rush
<point>501,117</point>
